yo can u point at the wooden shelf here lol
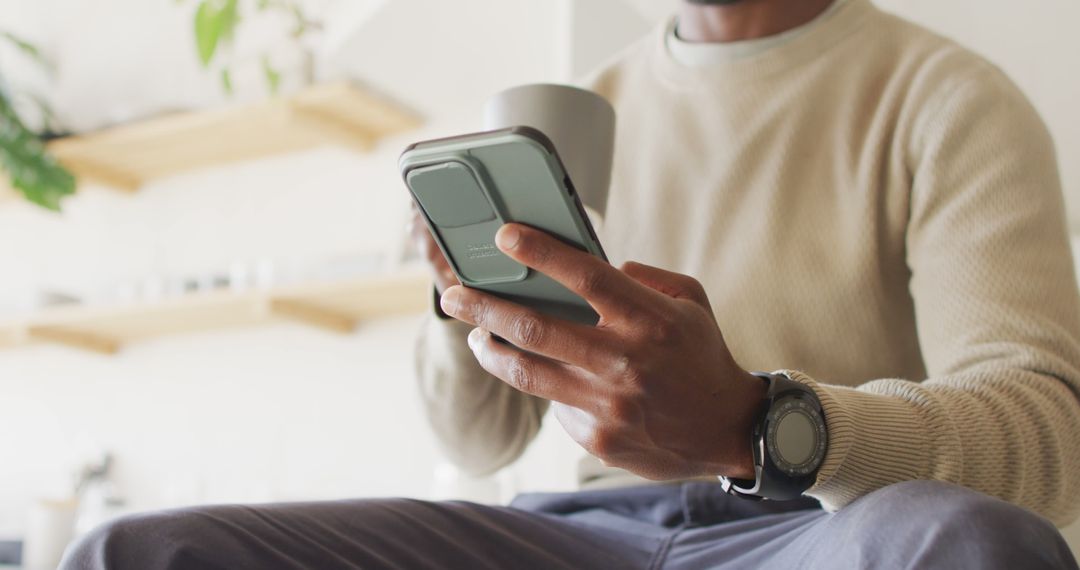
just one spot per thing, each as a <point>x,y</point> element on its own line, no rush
<point>126,157</point>
<point>333,306</point>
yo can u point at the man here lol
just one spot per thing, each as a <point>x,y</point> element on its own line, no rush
<point>861,204</point>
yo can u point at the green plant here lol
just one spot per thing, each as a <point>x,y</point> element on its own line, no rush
<point>215,26</point>
<point>23,157</point>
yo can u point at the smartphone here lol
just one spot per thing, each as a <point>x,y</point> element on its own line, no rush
<point>468,186</point>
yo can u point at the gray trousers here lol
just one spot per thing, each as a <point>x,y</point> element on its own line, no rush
<point>695,525</point>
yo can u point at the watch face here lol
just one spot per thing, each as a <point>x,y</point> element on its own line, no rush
<point>795,436</point>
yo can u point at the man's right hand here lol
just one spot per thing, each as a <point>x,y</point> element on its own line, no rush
<point>429,251</point>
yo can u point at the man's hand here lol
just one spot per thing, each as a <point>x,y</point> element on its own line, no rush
<point>652,388</point>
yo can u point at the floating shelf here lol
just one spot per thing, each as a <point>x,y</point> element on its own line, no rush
<point>333,306</point>
<point>126,157</point>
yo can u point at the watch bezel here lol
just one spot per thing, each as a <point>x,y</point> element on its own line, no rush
<point>795,402</point>
<point>771,481</point>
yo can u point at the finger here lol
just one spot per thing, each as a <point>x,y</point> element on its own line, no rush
<point>610,292</point>
<point>529,373</point>
<point>528,329</point>
<point>672,284</point>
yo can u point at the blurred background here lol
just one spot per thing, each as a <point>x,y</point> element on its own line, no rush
<point>223,308</point>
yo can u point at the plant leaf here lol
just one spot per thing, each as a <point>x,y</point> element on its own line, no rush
<point>215,22</point>
<point>230,17</point>
<point>206,34</point>
<point>31,169</point>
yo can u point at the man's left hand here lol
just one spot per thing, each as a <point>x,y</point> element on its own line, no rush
<point>652,388</point>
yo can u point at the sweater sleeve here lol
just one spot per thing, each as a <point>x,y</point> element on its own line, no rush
<point>480,422</point>
<point>998,320</point>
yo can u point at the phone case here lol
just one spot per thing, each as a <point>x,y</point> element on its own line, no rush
<point>466,187</point>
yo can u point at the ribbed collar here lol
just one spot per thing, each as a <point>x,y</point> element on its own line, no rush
<point>706,54</point>
<point>731,74</point>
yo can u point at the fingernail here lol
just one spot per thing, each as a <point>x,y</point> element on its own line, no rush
<point>508,236</point>
<point>450,300</point>
<point>474,339</point>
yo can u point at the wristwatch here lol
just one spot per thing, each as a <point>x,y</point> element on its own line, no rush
<point>789,442</point>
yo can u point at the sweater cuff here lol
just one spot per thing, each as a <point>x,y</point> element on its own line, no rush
<point>875,440</point>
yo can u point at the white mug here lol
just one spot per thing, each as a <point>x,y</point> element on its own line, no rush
<point>580,123</point>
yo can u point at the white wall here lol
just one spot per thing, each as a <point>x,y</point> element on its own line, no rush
<point>255,415</point>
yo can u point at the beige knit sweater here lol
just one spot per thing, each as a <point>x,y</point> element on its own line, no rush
<point>869,205</point>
